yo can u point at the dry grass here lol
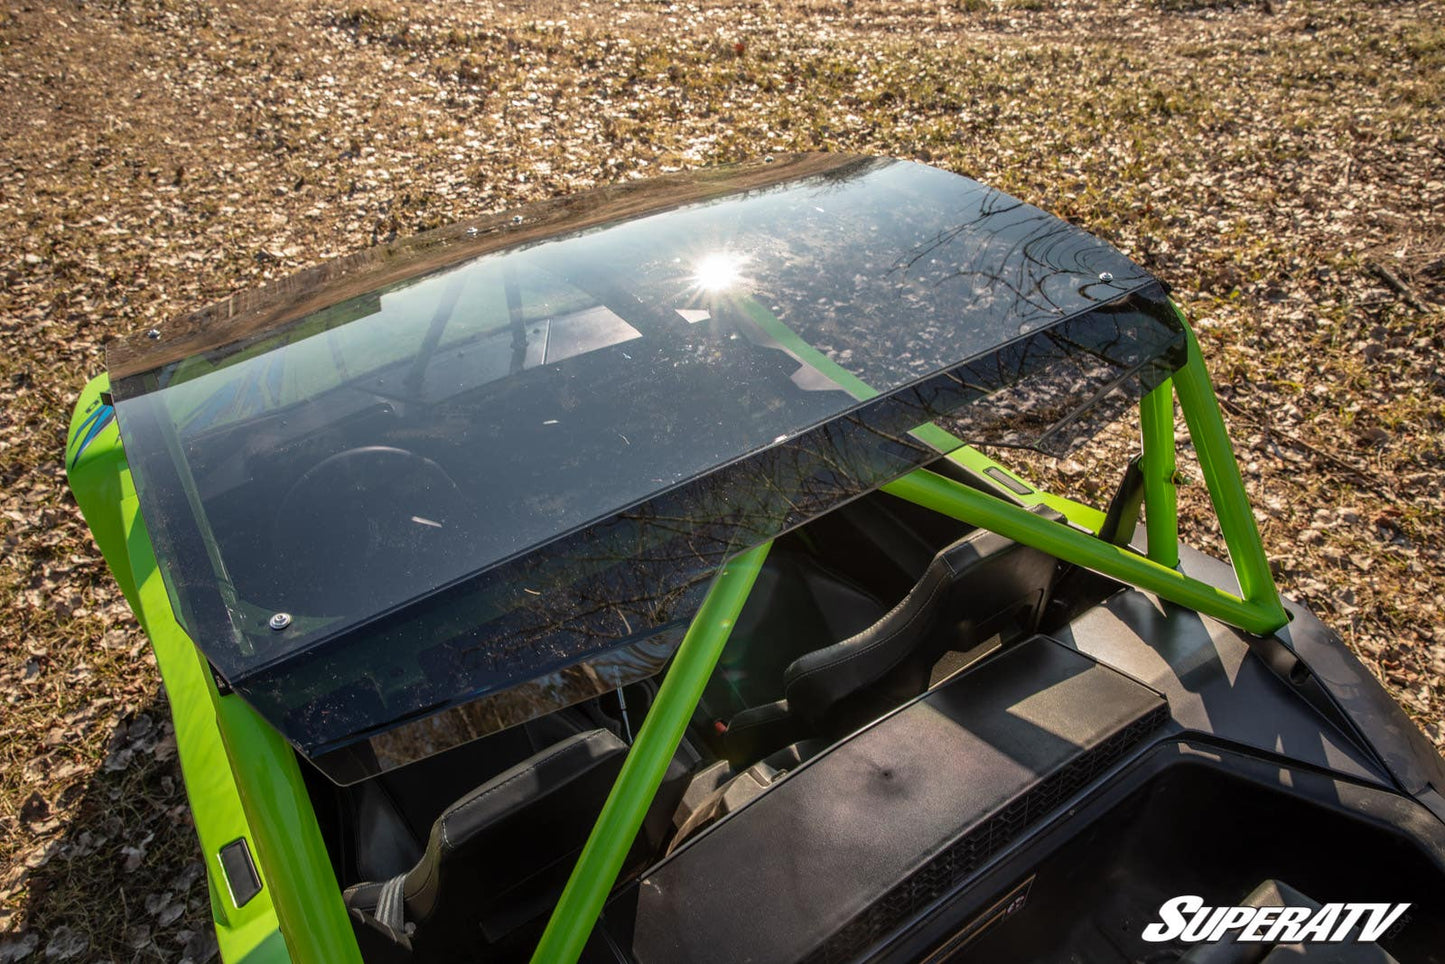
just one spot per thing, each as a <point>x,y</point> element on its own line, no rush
<point>158,154</point>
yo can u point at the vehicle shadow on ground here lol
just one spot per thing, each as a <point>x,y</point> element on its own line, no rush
<point>123,880</point>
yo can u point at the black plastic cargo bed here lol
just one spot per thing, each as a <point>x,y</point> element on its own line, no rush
<point>865,835</point>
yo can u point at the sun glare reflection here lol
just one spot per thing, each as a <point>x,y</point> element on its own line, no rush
<point>718,271</point>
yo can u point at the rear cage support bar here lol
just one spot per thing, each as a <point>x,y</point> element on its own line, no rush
<point>1256,609</point>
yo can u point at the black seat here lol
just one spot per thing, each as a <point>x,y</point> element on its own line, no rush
<point>495,860</point>
<point>980,586</point>
<point>796,605</point>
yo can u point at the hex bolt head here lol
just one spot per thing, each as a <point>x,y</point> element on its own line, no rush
<point>279,621</point>
<point>1106,276</point>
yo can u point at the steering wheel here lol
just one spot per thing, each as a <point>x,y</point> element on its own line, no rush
<point>367,527</point>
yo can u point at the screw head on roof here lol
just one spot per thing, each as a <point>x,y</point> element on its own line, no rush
<point>1106,277</point>
<point>471,232</point>
<point>280,621</point>
<point>154,334</point>
<point>516,219</point>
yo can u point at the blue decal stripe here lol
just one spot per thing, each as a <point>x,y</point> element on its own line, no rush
<point>97,421</point>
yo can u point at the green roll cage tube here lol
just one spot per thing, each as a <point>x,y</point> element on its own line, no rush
<point>244,780</point>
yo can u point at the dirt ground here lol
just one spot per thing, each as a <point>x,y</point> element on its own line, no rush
<point>1281,163</point>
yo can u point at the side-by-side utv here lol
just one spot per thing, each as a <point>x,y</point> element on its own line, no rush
<point>625,579</point>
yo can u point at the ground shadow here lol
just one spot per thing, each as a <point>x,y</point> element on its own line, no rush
<point>124,881</point>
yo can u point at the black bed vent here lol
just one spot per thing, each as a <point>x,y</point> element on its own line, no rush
<point>940,875</point>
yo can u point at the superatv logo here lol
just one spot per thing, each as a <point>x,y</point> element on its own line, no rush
<point>1188,919</point>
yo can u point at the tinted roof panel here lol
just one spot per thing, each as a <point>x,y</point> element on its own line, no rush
<point>450,480</point>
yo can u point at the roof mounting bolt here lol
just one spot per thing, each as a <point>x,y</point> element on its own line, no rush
<point>516,219</point>
<point>1106,276</point>
<point>471,232</point>
<point>279,621</point>
<point>154,334</point>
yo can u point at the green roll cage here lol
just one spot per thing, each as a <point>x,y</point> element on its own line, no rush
<point>244,781</point>
<point>1256,609</point>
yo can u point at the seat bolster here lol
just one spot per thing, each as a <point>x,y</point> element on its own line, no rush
<point>537,776</point>
<point>974,548</point>
<point>816,681</point>
<point>897,651</point>
<point>487,818</point>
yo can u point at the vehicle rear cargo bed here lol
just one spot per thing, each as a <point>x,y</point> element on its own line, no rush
<point>860,838</point>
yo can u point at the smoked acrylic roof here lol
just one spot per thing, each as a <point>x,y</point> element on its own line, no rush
<point>496,465</point>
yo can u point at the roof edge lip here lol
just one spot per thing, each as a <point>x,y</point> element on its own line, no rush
<point>258,311</point>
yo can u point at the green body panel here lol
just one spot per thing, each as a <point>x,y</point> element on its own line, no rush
<point>241,779</point>
<point>288,839</point>
<point>647,760</point>
<point>96,469</point>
